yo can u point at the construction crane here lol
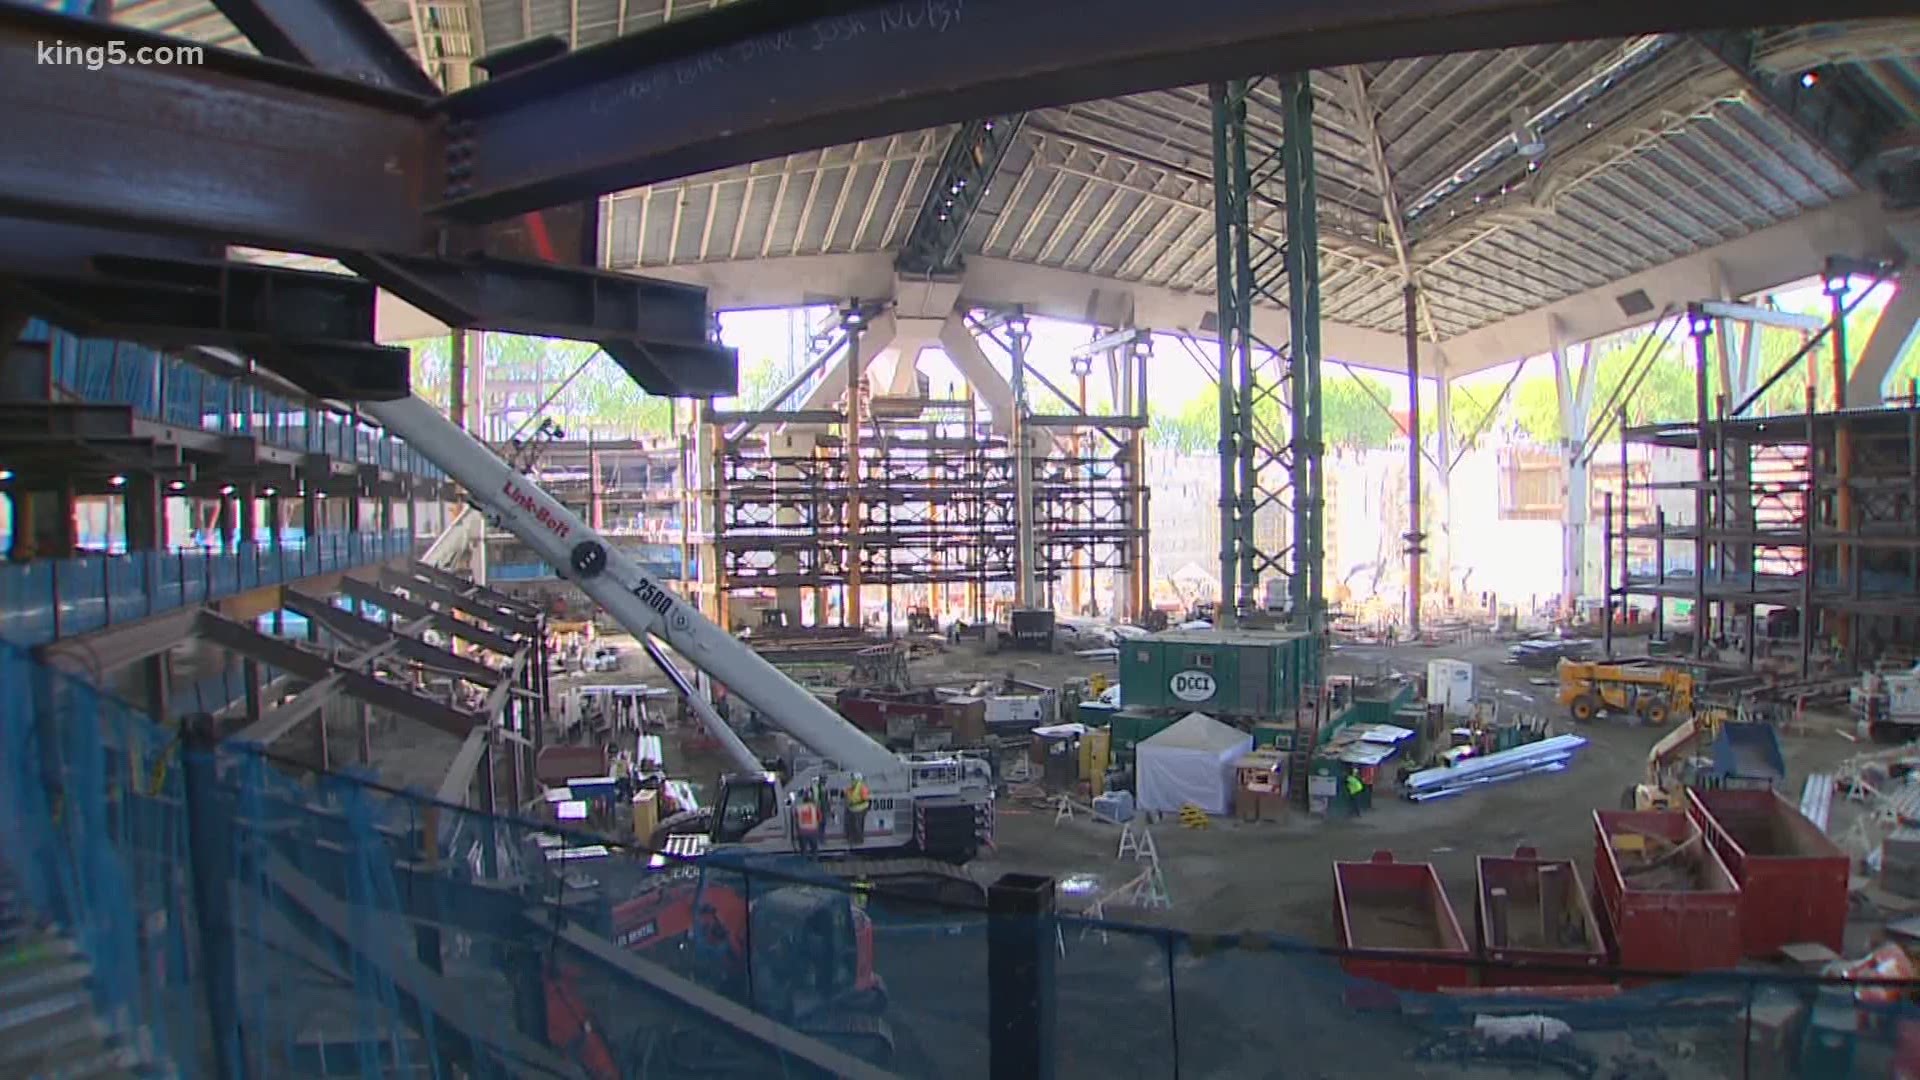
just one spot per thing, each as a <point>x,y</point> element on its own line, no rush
<point>938,807</point>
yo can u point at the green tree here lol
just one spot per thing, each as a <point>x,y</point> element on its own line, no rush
<point>1351,412</point>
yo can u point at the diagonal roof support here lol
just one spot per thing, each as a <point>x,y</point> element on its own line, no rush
<point>972,157</point>
<point>369,593</point>
<point>314,668</point>
<point>1827,107</point>
<point>429,593</point>
<point>1361,102</point>
<point>351,627</point>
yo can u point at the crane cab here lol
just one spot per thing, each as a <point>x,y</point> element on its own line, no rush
<point>746,800</point>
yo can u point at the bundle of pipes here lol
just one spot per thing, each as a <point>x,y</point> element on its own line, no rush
<point>1548,755</point>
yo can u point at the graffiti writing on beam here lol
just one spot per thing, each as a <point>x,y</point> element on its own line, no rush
<point>911,17</point>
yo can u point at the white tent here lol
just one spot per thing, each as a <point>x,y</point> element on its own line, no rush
<point>1190,762</point>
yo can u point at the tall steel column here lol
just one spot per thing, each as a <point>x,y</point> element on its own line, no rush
<point>1264,470</point>
<point>1308,593</point>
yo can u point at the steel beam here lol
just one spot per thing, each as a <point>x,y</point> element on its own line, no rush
<point>53,249</point>
<point>429,1002</point>
<point>458,783</point>
<point>757,81</point>
<point>483,593</point>
<point>341,37</point>
<point>279,723</point>
<point>800,1054</point>
<point>505,622</point>
<point>351,627</point>
<point>369,593</point>
<point>972,157</point>
<point>314,668</point>
<point>236,147</point>
<point>314,329</point>
<point>656,330</point>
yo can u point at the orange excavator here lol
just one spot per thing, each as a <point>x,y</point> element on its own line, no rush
<point>811,969</point>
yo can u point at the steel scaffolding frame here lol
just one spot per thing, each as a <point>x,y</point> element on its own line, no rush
<point>937,504</point>
<point>1268,477</point>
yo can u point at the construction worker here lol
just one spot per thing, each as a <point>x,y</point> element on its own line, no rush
<point>858,796</point>
<point>1354,787</point>
<point>806,825</point>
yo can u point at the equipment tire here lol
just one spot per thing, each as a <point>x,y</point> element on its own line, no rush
<point>1657,713</point>
<point>1583,708</point>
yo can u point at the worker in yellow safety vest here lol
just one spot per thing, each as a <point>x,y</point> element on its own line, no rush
<point>1354,787</point>
<point>858,796</point>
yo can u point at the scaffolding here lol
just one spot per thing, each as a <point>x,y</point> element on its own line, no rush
<point>937,506</point>
<point>1804,529</point>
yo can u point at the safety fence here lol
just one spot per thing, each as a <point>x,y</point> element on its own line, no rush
<point>48,599</point>
<point>169,390</point>
<point>248,919</point>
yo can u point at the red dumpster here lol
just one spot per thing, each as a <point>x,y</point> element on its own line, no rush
<point>1391,917</point>
<point>1667,902</point>
<point>1533,924</point>
<point>1793,880</point>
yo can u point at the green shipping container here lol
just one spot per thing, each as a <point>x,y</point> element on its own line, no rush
<point>1245,673</point>
<point>1131,727</point>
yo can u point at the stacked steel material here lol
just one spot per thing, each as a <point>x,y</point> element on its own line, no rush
<point>1546,756</point>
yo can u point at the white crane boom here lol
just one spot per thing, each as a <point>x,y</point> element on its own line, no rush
<point>720,730</point>
<point>635,599</point>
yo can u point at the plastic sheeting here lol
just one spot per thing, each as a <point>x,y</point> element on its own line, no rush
<point>1191,762</point>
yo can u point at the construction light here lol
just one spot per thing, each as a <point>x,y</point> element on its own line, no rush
<point>177,485</point>
<point>1836,284</point>
<point>116,480</point>
<point>1700,324</point>
<point>226,489</point>
<point>270,492</point>
<point>1809,79</point>
<point>5,475</point>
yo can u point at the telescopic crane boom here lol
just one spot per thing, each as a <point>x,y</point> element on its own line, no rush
<point>635,598</point>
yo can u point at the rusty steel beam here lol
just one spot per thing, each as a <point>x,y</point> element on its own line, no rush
<point>368,593</point>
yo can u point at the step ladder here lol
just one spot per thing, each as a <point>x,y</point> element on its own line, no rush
<point>1136,840</point>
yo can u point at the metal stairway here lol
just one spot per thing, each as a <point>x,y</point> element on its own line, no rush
<point>49,1029</point>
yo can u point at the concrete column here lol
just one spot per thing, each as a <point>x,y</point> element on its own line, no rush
<point>1440,522</point>
<point>1576,405</point>
<point>1897,330</point>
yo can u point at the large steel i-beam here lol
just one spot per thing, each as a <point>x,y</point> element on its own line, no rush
<point>259,151</point>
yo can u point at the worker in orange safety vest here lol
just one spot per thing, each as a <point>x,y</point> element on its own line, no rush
<point>806,824</point>
<point>858,797</point>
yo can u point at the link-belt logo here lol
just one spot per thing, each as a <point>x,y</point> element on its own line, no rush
<point>654,597</point>
<point>525,500</point>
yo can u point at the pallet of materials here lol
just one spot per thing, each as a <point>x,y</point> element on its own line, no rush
<point>1468,774</point>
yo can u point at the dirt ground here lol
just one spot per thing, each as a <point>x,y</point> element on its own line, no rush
<point>1277,876</point>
